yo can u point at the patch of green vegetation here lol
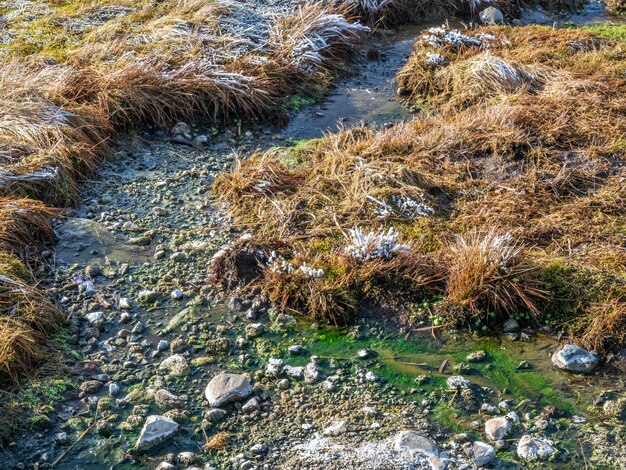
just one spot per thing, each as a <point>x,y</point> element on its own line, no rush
<point>570,290</point>
<point>536,385</point>
<point>297,102</point>
<point>449,417</point>
<point>609,30</point>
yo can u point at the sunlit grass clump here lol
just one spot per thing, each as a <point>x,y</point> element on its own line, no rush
<point>515,163</point>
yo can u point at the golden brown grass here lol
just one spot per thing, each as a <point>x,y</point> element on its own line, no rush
<point>521,143</point>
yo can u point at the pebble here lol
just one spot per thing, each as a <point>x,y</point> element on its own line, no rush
<point>476,356</point>
<point>481,453</point>
<point>227,388</point>
<point>532,448</point>
<point>176,294</point>
<point>458,382</point>
<point>498,428</point>
<point>337,428</point>
<point>176,365</point>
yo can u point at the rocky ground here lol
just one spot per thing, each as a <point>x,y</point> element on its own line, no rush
<point>171,375</point>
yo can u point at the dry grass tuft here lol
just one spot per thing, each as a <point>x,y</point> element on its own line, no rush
<point>219,441</point>
<point>606,327</point>
<point>488,273</point>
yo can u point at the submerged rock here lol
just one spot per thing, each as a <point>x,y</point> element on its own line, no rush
<point>532,448</point>
<point>227,388</point>
<point>156,429</point>
<point>574,359</point>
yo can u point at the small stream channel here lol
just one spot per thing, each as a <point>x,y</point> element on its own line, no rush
<point>369,97</point>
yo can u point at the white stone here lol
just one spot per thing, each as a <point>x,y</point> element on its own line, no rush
<point>337,428</point>
<point>458,382</point>
<point>498,428</point>
<point>532,448</point>
<point>176,365</point>
<point>227,388</point>
<point>156,429</point>
<point>574,359</point>
<point>414,442</point>
<point>481,453</point>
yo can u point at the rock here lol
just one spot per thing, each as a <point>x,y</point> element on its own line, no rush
<point>458,382</point>
<point>274,367</point>
<point>489,409</point>
<point>414,442</point>
<point>61,438</point>
<point>176,365</point>
<point>370,376</point>
<point>227,388</point>
<point>124,304</point>
<point>94,317</point>
<point>491,16</point>
<point>296,350</point>
<point>532,448</point>
<point>114,389</point>
<point>574,359</point>
<point>481,453</point>
<point>337,428</point>
<point>477,356</point>
<point>498,428</point>
<point>510,326</point>
<point>147,296</point>
<point>251,406</point>
<point>311,373</point>
<point>215,415</point>
<point>166,466</point>
<point>615,408</point>
<point>91,386</point>
<point>166,399</point>
<point>254,330</point>
<point>176,294</point>
<point>163,345</point>
<point>183,129</point>
<point>296,372</point>
<point>370,411</point>
<point>258,449</point>
<point>186,458</point>
<point>156,430</point>
<point>363,353</point>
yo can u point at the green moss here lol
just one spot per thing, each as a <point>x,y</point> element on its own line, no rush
<point>609,30</point>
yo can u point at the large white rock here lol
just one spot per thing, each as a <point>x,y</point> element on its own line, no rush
<point>574,359</point>
<point>412,441</point>
<point>498,428</point>
<point>156,430</point>
<point>533,448</point>
<point>227,388</point>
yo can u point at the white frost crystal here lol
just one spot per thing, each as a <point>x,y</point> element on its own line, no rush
<point>372,245</point>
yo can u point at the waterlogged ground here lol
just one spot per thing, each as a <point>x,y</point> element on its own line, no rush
<point>137,250</point>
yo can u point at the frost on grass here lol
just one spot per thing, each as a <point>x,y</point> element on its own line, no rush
<point>380,244</point>
<point>406,206</point>
<point>278,264</point>
<point>306,35</point>
<point>440,36</point>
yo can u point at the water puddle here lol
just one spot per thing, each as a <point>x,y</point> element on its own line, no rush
<point>85,241</point>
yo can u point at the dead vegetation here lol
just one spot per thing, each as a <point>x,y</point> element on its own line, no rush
<point>515,165</point>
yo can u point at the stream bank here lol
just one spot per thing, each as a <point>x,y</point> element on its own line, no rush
<point>131,268</point>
